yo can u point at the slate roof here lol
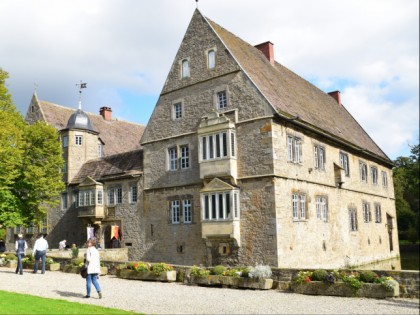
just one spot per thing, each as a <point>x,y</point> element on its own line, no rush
<point>117,135</point>
<point>117,166</point>
<point>293,96</point>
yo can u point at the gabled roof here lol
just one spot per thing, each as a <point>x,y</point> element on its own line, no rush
<point>117,166</point>
<point>117,135</point>
<point>292,96</point>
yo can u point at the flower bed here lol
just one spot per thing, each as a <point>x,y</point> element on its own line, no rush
<point>146,271</point>
<point>248,278</point>
<point>364,284</point>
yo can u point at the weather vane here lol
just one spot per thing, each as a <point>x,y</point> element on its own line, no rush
<point>81,86</point>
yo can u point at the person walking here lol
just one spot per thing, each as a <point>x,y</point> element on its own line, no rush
<point>20,247</point>
<point>93,268</point>
<point>40,251</point>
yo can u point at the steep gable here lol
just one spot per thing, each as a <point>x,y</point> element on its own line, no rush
<point>116,135</point>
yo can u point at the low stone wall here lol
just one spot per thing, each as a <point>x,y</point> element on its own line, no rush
<point>408,279</point>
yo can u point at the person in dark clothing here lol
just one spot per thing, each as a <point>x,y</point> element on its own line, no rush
<point>21,247</point>
<point>115,243</point>
<point>2,246</point>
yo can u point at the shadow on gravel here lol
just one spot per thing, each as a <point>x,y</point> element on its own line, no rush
<point>409,304</point>
<point>68,294</point>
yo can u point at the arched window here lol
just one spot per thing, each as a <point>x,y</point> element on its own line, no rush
<point>185,68</point>
<point>211,59</point>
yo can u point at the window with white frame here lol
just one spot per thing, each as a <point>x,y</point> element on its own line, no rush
<point>384,179</point>
<point>299,206</point>
<point>78,140</point>
<point>217,146</point>
<point>344,162</point>
<point>64,203</point>
<point>100,150</point>
<point>363,171</point>
<point>221,99</point>
<point>186,206</point>
<point>294,149</point>
<point>217,206</point>
<point>319,157</point>
<point>118,195</point>
<point>374,175</point>
<point>173,159</point>
<point>100,197</point>
<point>175,211</point>
<point>366,212</point>
<point>353,219</point>
<point>211,59</point>
<point>86,198</point>
<point>321,208</point>
<point>65,141</point>
<point>111,196</point>
<point>185,157</point>
<point>133,193</point>
<point>185,68</point>
<point>378,213</point>
<point>177,110</point>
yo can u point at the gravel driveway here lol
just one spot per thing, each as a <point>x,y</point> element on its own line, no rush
<point>176,298</point>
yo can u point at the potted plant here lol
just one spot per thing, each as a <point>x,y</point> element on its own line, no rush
<point>52,265</point>
<point>11,260</point>
<point>75,266</point>
<point>146,271</point>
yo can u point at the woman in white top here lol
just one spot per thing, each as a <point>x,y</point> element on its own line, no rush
<point>93,268</point>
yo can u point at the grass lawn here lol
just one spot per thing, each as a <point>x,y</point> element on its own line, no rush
<point>15,303</point>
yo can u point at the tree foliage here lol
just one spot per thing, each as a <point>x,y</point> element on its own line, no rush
<point>406,177</point>
<point>30,163</point>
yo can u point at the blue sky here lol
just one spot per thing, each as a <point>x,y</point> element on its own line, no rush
<point>367,49</point>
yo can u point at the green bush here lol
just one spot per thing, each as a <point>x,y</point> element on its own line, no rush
<point>218,270</point>
<point>10,257</point>
<point>245,272</point>
<point>77,262</point>
<point>199,272</point>
<point>368,276</point>
<point>319,275</point>
<point>159,268</point>
<point>142,266</point>
<point>231,273</point>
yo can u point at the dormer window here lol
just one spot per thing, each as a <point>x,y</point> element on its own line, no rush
<point>211,59</point>
<point>185,68</point>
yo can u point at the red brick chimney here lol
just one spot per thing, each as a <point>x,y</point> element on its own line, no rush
<point>336,95</point>
<point>267,50</point>
<point>106,113</point>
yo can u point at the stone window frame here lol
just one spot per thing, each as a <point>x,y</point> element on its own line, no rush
<point>384,179</point>
<point>187,210</point>
<point>175,211</point>
<point>367,214</point>
<point>207,52</point>
<point>86,198</point>
<point>345,162</point>
<point>363,170</point>
<point>299,206</point>
<point>133,193</point>
<point>221,89</point>
<point>321,206</point>
<point>294,145</point>
<point>185,71</point>
<point>184,156</point>
<point>172,155</point>
<point>353,224</point>
<point>209,151</point>
<point>320,156</point>
<point>374,174</point>
<point>100,197</point>
<point>64,201</point>
<point>378,212</point>
<point>100,150</point>
<point>177,110</point>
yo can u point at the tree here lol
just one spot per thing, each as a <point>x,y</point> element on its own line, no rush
<point>406,182</point>
<point>30,165</point>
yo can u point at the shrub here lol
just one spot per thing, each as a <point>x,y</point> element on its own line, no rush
<point>78,262</point>
<point>232,273</point>
<point>10,257</point>
<point>260,272</point>
<point>218,270</point>
<point>142,267</point>
<point>49,261</point>
<point>245,272</point>
<point>368,276</point>
<point>159,268</point>
<point>199,272</point>
<point>131,265</point>
<point>353,281</point>
<point>388,282</point>
<point>303,276</point>
<point>74,252</point>
<point>319,275</point>
<point>121,267</point>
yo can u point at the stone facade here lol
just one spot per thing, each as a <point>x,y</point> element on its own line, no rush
<point>231,171</point>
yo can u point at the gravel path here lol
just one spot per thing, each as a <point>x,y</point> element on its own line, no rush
<point>176,298</point>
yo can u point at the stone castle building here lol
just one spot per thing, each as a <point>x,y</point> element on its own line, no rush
<point>241,162</point>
